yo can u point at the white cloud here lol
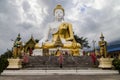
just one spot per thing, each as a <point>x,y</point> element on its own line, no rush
<point>89,18</point>
<point>99,4</point>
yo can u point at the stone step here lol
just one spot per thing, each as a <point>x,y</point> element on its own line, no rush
<point>52,61</point>
<point>60,72</point>
<point>57,66</point>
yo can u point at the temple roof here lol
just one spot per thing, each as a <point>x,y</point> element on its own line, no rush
<point>31,39</point>
<point>113,48</point>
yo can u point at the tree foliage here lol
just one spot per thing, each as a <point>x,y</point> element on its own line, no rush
<point>116,63</point>
<point>36,40</point>
<point>83,41</point>
<point>3,64</point>
<point>7,54</point>
<point>3,60</point>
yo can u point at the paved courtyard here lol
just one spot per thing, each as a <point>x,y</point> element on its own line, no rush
<point>62,77</point>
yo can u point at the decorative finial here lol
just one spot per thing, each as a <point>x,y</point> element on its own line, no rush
<point>59,7</point>
<point>19,36</point>
<point>31,36</point>
<point>101,35</point>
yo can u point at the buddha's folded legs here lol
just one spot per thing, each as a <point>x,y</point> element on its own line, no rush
<point>65,45</point>
<point>70,45</point>
<point>48,44</point>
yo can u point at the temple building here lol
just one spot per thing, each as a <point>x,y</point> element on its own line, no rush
<point>29,45</point>
<point>114,50</point>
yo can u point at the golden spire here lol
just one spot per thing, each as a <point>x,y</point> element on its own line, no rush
<point>101,35</point>
<point>59,7</point>
<point>32,36</point>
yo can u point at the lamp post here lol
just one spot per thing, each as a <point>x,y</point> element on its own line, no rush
<point>94,45</point>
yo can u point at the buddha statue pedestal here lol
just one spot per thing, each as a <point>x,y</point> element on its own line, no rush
<point>54,51</point>
<point>105,63</point>
<point>14,63</point>
<point>66,51</point>
<point>37,52</point>
<point>75,52</point>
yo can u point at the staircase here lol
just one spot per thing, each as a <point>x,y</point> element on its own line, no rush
<point>51,62</point>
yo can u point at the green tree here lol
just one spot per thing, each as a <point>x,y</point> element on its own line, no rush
<point>36,40</point>
<point>83,41</point>
<point>116,64</point>
<point>3,60</point>
<point>7,54</point>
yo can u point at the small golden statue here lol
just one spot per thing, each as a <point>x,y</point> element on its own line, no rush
<point>103,46</point>
<point>17,48</point>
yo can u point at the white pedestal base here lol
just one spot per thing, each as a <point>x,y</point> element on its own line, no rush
<point>54,50</point>
<point>14,63</point>
<point>105,63</point>
<point>37,52</point>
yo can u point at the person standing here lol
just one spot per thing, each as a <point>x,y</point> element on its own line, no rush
<point>61,60</point>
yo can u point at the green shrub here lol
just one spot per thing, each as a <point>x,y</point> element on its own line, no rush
<point>3,64</point>
<point>7,54</point>
<point>116,64</point>
<point>3,60</point>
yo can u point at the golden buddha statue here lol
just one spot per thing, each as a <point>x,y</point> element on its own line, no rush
<point>17,48</point>
<point>60,29</point>
<point>103,46</point>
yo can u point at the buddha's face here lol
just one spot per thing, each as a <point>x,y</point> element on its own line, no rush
<point>59,14</point>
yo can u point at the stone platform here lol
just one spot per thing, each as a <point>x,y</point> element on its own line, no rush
<point>59,72</point>
<point>48,65</point>
<point>61,77</point>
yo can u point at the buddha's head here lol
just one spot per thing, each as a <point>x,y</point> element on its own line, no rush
<point>59,12</point>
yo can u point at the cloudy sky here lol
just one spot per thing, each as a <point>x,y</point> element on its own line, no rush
<point>30,17</point>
